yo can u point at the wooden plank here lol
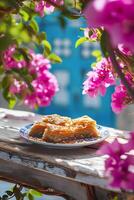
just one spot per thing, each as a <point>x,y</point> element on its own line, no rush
<point>40,179</point>
<point>88,178</point>
<point>81,160</point>
<point>83,164</point>
<point>56,169</point>
<point>70,162</point>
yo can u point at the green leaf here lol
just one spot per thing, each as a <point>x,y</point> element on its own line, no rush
<point>28,9</point>
<point>47,47</point>
<point>5,41</point>
<point>9,193</point>
<point>1,69</point>
<point>115,198</point>
<point>104,44</point>
<point>80,41</point>
<point>24,53</point>
<point>82,29</point>
<point>96,53</point>
<point>93,64</point>
<point>34,25</point>
<point>35,193</point>
<point>6,81</point>
<point>24,15</point>
<point>5,94</point>
<point>54,58</point>
<point>11,103</point>
<point>30,196</point>
<point>18,56</point>
<point>41,36</point>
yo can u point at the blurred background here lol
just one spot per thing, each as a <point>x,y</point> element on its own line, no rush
<point>62,34</point>
<point>71,73</point>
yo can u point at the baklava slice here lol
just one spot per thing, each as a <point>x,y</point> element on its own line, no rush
<point>57,133</point>
<point>57,120</point>
<point>81,128</point>
<point>37,129</point>
<point>58,129</point>
<point>85,126</point>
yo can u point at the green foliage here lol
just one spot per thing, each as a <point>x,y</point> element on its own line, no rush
<point>19,193</point>
<point>47,48</point>
<point>11,103</point>
<point>33,24</point>
<point>81,41</point>
<point>5,40</point>
<point>97,54</point>
<point>18,25</point>
<point>54,58</point>
<point>35,193</point>
<point>115,198</point>
<point>30,196</point>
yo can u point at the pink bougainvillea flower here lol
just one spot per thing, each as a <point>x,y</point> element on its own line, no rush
<point>115,152</point>
<point>10,62</point>
<point>39,7</point>
<point>93,36</point>
<point>99,79</point>
<point>38,63</point>
<point>45,86</point>
<point>124,50</point>
<point>42,6</point>
<point>130,145</point>
<point>44,83</point>
<point>121,175</point>
<point>117,14</point>
<point>118,98</point>
<point>17,87</point>
<point>119,166</point>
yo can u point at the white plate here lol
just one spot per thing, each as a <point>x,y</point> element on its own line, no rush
<point>104,133</point>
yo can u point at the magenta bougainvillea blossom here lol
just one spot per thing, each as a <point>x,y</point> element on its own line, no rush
<point>45,86</point>
<point>42,6</point>
<point>119,98</point>
<point>99,79</point>
<point>124,50</point>
<point>102,77</point>
<point>38,63</point>
<point>118,14</point>
<point>17,86</point>
<point>91,34</point>
<point>44,83</point>
<point>39,7</point>
<point>10,62</point>
<point>120,163</point>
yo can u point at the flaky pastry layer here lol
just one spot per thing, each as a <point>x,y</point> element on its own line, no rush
<point>56,129</point>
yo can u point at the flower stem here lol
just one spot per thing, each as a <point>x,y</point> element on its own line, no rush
<point>118,70</point>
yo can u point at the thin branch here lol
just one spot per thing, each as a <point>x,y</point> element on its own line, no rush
<point>127,60</point>
<point>118,70</point>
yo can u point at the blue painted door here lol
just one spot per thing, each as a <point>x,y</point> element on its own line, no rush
<point>72,72</point>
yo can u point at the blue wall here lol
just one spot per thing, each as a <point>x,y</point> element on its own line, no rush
<point>72,72</point>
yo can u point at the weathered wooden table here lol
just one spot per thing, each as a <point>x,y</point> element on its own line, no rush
<point>78,173</point>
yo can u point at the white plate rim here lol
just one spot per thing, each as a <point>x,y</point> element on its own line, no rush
<point>104,132</point>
